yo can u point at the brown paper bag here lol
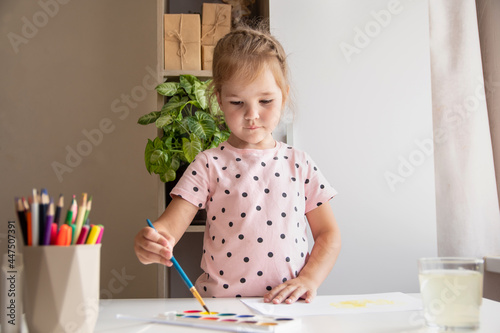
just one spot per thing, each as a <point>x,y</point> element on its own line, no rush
<point>61,288</point>
<point>216,22</point>
<point>182,42</point>
<point>207,54</point>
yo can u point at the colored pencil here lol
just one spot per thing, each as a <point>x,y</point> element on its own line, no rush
<point>64,235</point>
<point>35,237</point>
<point>48,224</point>
<point>93,234</point>
<point>21,214</point>
<point>73,238</point>
<point>69,217</point>
<point>82,238</point>
<point>42,214</point>
<point>87,211</point>
<point>82,209</point>
<point>59,208</point>
<point>74,209</point>
<point>99,237</point>
<point>27,211</point>
<point>53,233</point>
<point>41,221</point>
<point>184,277</point>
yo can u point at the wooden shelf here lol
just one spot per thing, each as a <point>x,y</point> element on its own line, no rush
<point>492,264</point>
<point>196,228</point>
<point>202,74</point>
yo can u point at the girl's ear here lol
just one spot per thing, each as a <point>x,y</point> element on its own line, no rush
<point>285,97</point>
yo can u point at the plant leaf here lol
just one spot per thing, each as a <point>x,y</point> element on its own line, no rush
<point>203,128</point>
<point>214,107</point>
<point>202,115</point>
<point>200,93</point>
<point>187,82</point>
<point>157,156</point>
<point>175,163</point>
<point>157,143</point>
<point>191,147</point>
<point>147,154</point>
<point>193,103</point>
<point>167,88</point>
<point>168,176</point>
<point>164,121</point>
<point>175,102</point>
<point>149,118</point>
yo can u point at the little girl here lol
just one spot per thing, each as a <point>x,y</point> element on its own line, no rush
<point>256,191</point>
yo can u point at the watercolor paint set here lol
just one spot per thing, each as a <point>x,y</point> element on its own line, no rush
<point>252,322</point>
<point>229,322</point>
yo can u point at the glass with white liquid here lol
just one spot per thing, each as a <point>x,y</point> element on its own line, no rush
<point>452,291</point>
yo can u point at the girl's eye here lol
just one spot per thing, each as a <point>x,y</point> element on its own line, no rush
<point>266,101</point>
<point>235,102</point>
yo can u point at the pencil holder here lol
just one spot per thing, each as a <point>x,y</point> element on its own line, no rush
<point>61,288</point>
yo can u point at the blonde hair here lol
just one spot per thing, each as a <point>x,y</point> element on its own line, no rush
<point>244,53</point>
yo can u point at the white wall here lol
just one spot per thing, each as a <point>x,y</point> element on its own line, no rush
<point>361,78</point>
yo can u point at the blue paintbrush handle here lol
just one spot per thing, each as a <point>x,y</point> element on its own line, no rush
<point>181,272</point>
<point>176,264</point>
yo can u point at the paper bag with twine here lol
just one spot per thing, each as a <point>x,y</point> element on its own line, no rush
<point>207,53</point>
<point>182,42</point>
<point>216,22</point>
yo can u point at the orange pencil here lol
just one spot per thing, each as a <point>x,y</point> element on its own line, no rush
<point>64,235</point>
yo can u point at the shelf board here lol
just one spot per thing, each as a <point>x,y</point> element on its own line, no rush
<point>492,264</point>
<point>196,228</point>
<point>199,74</point>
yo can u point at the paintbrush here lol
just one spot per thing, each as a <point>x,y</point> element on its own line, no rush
<point>184,277</point>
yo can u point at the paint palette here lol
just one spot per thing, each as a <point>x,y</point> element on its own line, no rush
<point>226,321</point>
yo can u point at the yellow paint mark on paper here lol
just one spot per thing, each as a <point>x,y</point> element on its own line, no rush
<point>360,303</point>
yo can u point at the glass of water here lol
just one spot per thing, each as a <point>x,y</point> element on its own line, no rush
<point>452,291</point>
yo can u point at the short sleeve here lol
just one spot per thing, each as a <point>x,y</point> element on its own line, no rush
<point>317,188</point>
<point>193,186</point>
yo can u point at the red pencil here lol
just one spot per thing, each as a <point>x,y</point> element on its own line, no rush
<point>53,234</point>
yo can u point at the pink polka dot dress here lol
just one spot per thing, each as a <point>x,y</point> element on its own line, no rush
<point>256,201</point>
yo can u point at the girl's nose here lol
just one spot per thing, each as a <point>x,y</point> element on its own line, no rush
<point>251,113</point>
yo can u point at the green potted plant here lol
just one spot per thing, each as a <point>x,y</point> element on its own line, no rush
<point>189,122</point>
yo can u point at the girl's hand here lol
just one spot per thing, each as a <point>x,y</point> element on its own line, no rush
<point>291,291</point>
<point>153,247</point>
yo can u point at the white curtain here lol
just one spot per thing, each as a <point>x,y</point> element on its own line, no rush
<point>465,73</point>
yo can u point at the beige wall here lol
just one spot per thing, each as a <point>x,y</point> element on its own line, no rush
<point>67,67</point>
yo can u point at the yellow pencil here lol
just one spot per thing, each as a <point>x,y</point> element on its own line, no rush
<point>93,235</point>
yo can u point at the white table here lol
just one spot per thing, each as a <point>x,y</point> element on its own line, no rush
<point>390,322</point>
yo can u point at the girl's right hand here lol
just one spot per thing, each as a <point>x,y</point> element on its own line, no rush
<point>153,247</point>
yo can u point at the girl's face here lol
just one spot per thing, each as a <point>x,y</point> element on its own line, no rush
<point>252,110</point>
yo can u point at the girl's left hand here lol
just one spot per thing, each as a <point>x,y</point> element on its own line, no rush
<point>291,291</point>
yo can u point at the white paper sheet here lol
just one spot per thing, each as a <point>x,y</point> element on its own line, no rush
<point>341,304</point>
